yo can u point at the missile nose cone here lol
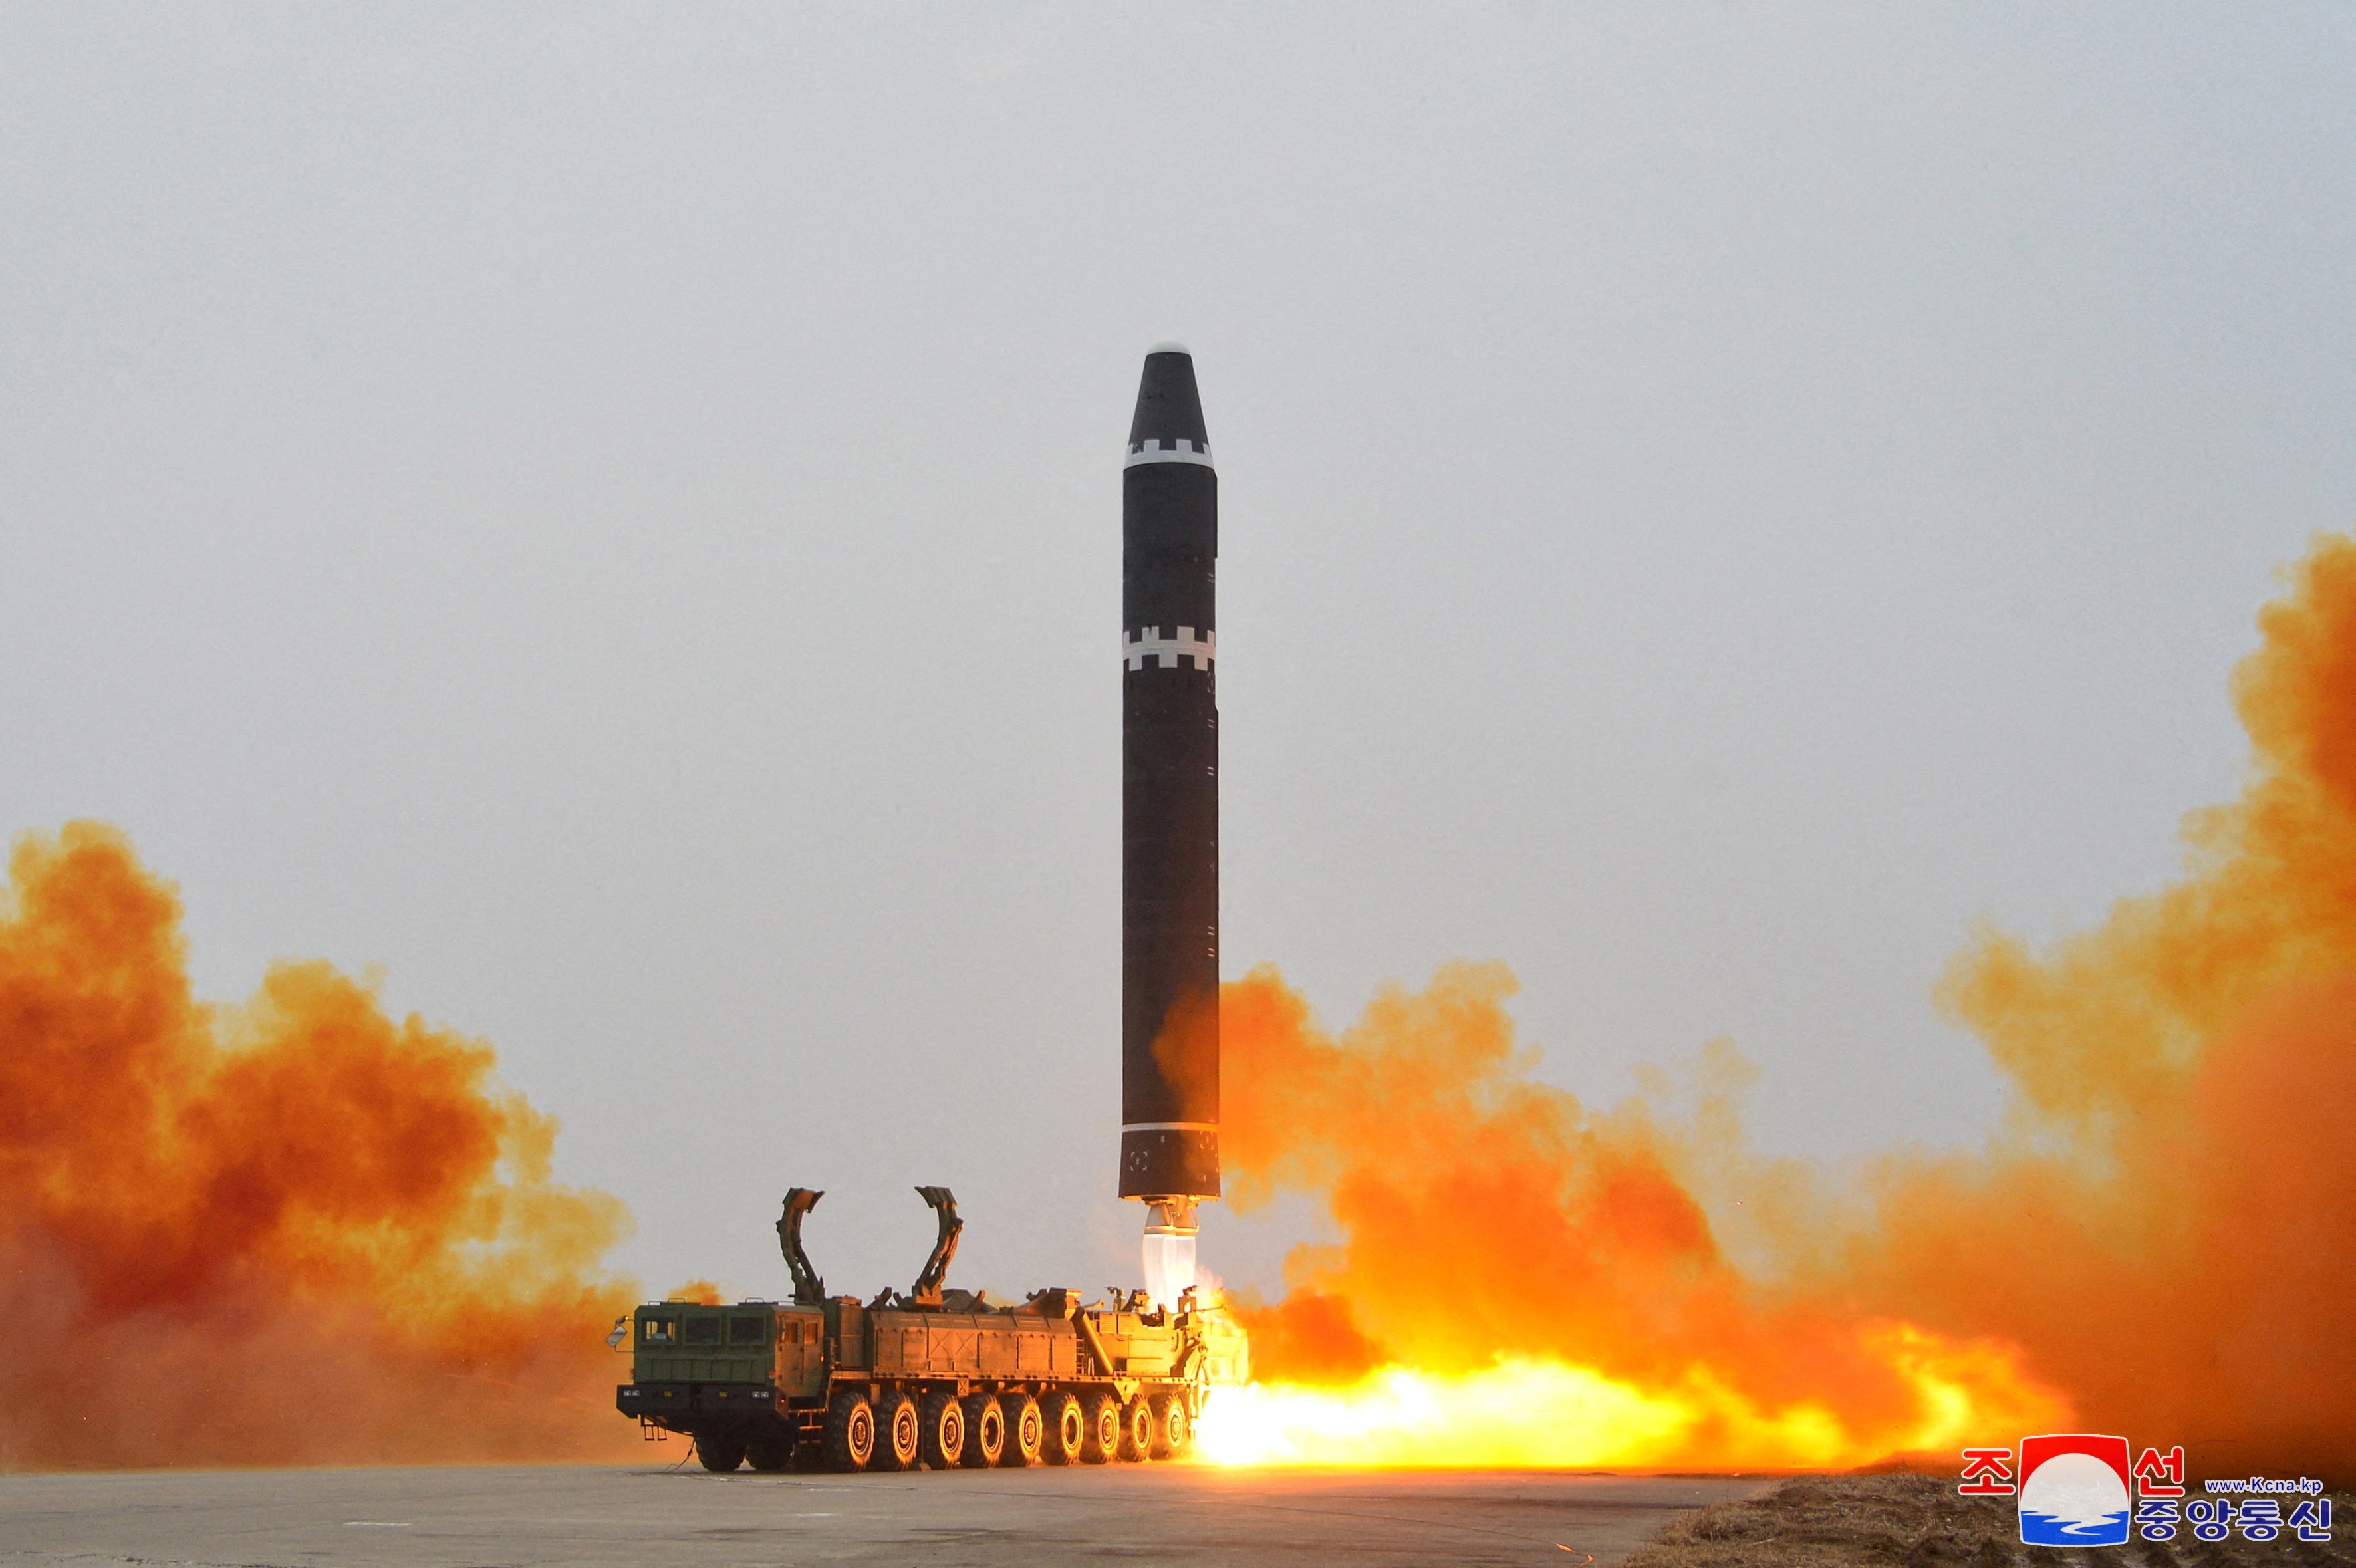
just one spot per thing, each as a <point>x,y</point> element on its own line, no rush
<point>1169,409</point>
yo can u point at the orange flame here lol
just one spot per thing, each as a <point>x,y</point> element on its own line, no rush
<point>1525,1282</point>
<point>2156,1243</point>
<point>1523,1413</point>
<point>293,1231</point>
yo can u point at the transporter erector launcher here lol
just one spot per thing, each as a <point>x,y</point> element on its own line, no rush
<point>1170,818</point>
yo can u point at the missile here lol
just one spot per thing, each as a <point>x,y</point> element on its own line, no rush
<point>1169,819</point>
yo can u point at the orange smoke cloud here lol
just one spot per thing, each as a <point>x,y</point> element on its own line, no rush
<point>2166,1222</point>
<point>293,1231</point>
<point>1546,1264</point>
<point>2157,1242</point>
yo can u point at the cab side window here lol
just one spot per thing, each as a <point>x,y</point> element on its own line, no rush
<point>661,1331</point>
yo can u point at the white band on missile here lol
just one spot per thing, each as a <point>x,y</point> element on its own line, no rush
<point>1170,1126</point>
<point>1178,451</point>
<point>1136,646</point>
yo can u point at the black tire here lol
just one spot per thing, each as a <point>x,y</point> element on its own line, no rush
<point>849,1441</point>
<point>1026,1431</point>
<point>1136,1431</point>
<point>719,1452</point>
<point>985,1432</point>
<point>1063,1427</point>
<point>770,1453</point>
<point>1172,1427</point>
<point>1099,1427</point>
<point>897,1432</point>
<point>942,1429</point>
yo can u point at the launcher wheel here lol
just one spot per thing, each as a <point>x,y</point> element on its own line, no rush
<point>895,1432</point>
<point>1136,1431</point>
<point>1100,1429</point>
<point>849,1441</point>
<point>1026,1430</point>
<point>1065,1427</point>
<point>985,1432</point>
<point>942,1443</point>
<point>1171,1426</point>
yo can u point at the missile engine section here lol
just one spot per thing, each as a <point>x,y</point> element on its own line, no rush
<point>932,1376</point>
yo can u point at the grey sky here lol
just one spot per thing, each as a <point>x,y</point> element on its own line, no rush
<point>612,515</point>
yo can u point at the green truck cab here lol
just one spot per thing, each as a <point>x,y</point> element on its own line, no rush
<point>932,1378</point>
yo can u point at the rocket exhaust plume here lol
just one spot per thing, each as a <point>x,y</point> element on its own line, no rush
<point>296,1231</point>
<point>2155,1241</point>
<point>1169,819</point>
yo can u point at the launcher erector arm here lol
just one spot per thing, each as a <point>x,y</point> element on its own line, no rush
<point>808,1289</point>
<point>936,1267</point>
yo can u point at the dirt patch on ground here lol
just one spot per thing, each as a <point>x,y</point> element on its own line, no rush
<point>1918,1521</point>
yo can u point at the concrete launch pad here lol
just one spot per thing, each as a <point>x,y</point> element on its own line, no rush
<point>636,1515</point>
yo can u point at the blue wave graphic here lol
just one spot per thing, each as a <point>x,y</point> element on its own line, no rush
<point>2052,1529</point>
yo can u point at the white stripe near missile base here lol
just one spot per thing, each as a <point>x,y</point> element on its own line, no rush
<point>1178,451</point>
<point>1170,1126</point>
<point>1136,646</point>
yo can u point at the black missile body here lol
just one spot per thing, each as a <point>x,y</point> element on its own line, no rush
<point>1170,793</point>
